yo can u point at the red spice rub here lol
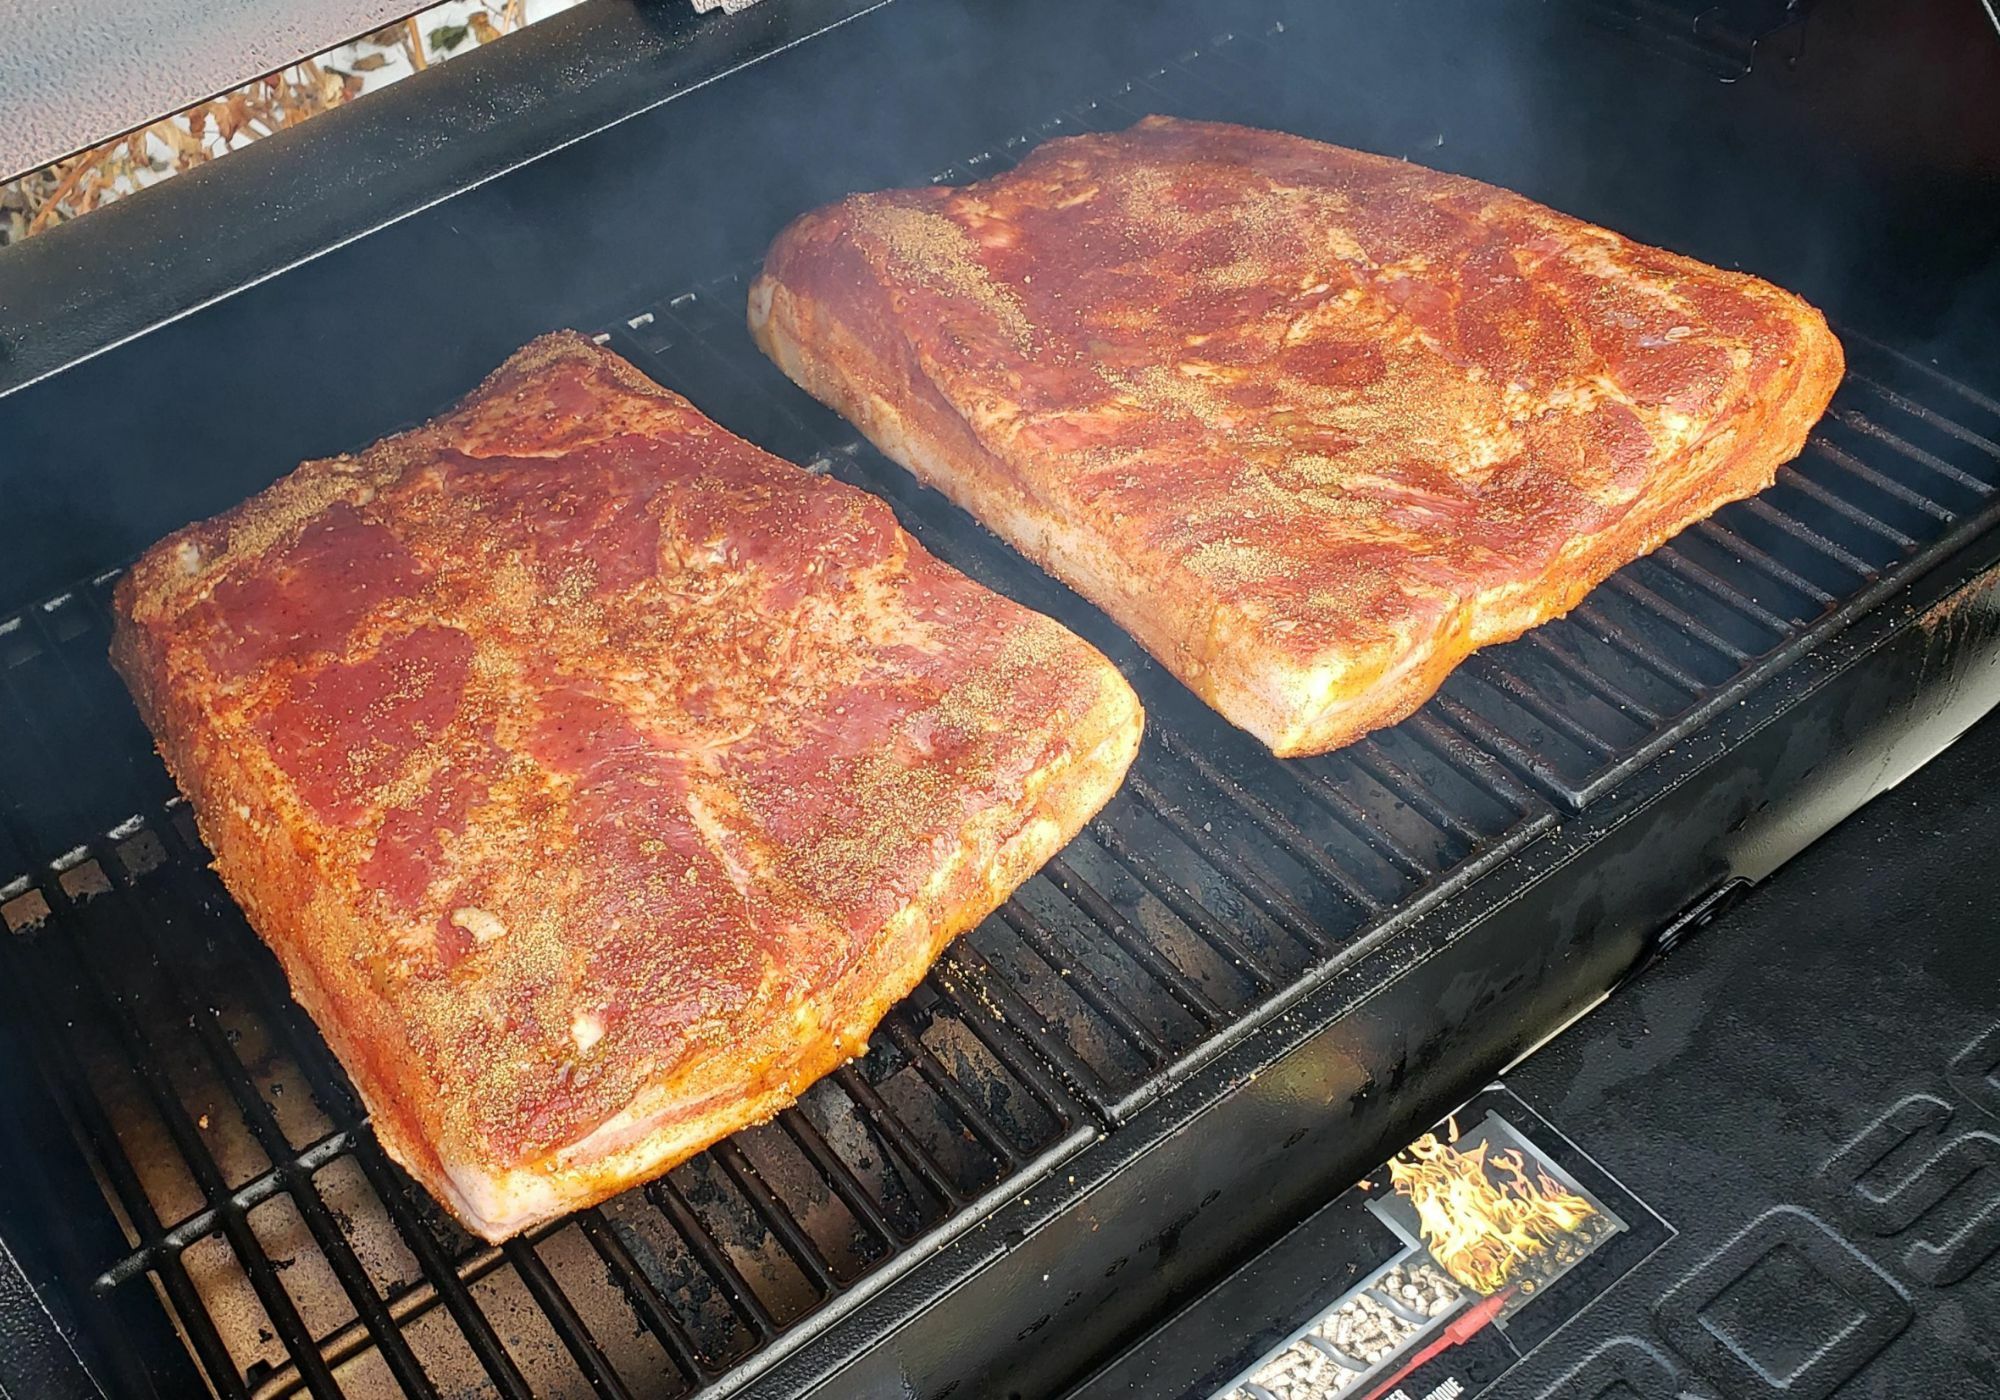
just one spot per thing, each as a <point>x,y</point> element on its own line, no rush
<point>599,778</point>
<point>1310,424</point>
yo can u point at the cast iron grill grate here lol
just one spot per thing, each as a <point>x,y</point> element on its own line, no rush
<point>1219,885</point>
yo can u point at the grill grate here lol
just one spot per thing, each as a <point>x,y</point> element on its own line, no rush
<point>293,1256</point>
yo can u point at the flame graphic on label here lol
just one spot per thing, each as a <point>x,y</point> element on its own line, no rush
<point>1482,1231</point>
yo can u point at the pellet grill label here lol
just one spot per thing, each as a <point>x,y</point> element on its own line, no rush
<point>1495,1231</point>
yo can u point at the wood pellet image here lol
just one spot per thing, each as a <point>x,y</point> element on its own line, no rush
<point>1353,1341</point>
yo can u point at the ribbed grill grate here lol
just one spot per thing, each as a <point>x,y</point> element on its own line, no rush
<point>1216,887</point>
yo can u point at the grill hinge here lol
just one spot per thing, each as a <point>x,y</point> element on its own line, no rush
<point>1696,916</point>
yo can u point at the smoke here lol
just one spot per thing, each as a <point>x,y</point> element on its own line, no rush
<point>1862,174</point>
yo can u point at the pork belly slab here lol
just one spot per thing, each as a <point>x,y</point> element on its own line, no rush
<point>599,779</point>
<point>1312,425</point>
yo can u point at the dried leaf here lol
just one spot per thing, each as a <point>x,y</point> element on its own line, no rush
<point>369,62</point>
<point>482,27</point>
<point>184,143</point>
<point>233,115</point>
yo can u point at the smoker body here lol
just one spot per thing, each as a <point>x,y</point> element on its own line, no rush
<point>1249,982</point>
<point>1803,1114</point>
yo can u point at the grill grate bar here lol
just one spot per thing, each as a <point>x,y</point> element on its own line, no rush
<point>743,1174</point>
<point>263,1124</point>
<point>1495,741</point>
<point>899,1135</point>
<point>1725,539</point>
<point>1086,984</point>
<point>1184,906</point>
<point>952,1092</point>
<point>438,1271</point>
<point>1623,582</point>
<point>806,1136</point>
<point>245,1198</point>
<point>144,1059</point>
<point>1809,537</point>
<point>1624,639</point>
<point>61,1066</point>
<point>1930,417</point>
<point>1344,810</point>
<point>1272,898</point>
<point>1930,372</point>
<point>1499,678</point>
<point>1479,767</point>
<point>965,976</point>
<point>145,1066</point>
<point>1903,447</point>
<point>1854,466</point>
<point>1720,589</point>
<point>1806,486</point>
<point>645,1300</point>
<point>994,1031</point>
<point>1370,758</point>
<point>1589,678</point>
<point>569,1324</point>
<point>1134,941</point>
<point>1279,827</point>
<point>666,1198</point>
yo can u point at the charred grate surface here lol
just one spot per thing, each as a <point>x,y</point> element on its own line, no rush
<point>291,1256</point>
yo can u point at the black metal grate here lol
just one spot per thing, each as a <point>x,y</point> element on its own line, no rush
<point>1218,886</point>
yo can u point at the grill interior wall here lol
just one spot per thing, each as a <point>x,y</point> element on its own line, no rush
<point>291,1255</point>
